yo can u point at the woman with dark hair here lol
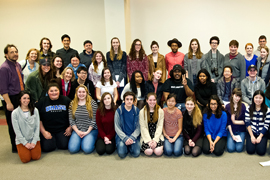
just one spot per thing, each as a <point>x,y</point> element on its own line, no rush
<point>67,76</point>
<point>75,63</point>
<point>37,82</point>
<point>154,84</point>
<point>57,66</point>
<point>82,119</point>
<point>215,121</point>
<point>204,88</point>
<point>236,122</point>
<point>30,64</point>
<point>106,84</point>
<point>117,62</point>
<point>137,60</point>
<point>105,124</point>
<point>193,60</point>
<point>257,120</point>
<point>25,122</point>
<point>95,69</point>
<point>151,122</point>
<point>172,129</point>
<point>156,60</point>
<point>192,128</point>
<point>137,86</point>
<point>54,125</point>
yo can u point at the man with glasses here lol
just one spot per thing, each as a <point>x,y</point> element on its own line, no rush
<point>213,61</point>
<point>251,84</point>
<point>262,44</point>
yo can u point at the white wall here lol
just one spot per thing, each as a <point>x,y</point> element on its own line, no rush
<point>243,20</point>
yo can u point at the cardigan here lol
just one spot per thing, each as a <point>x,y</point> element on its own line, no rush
<point>188,66</point>
<point>149,87</point>
<point>25,128</point>
<point>172,59</point>
<point>27,71</point>
<point>264,70</point>
<point>145,135</point>
<point>136,64</point>
<point>160,64</point>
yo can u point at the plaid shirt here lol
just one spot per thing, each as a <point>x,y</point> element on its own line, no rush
<point>49,56</point>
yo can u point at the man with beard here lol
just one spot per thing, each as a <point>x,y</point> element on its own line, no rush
<point>179,85</point>
<point>174,57</point>
<point>87,54</point>
<point>11,79</point>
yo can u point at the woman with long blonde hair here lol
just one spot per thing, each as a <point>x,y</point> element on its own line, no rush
<point>82,119</point>
<point>192,128</point>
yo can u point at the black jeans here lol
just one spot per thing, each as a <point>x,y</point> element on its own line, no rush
<point>59,140</point>
<point>219,147</point>
<point>260,148</point>
<point>103,148</point>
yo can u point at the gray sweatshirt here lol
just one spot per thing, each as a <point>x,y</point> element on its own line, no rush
<point>26,129</point>
<point>248,88</point>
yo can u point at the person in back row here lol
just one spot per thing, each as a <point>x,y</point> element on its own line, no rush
<point>87,54</point>
<point>46,49</point>
<point>262,44</point>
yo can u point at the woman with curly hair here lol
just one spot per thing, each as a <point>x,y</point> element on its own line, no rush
<point>82,119</point>
<point>215,121</point>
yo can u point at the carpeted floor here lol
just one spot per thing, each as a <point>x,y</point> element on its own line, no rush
<point>62,165</point>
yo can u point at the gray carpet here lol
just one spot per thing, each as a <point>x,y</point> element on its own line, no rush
<point>62,165</point>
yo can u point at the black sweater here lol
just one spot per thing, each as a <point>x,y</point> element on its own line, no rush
<point>204,91</point>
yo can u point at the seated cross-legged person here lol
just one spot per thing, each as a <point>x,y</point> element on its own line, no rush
<point>54,124</point>
<point>127,127</point>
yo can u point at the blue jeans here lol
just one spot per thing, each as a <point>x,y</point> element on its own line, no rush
<point>180,106</point>
<point>175,148</point>
<point>123,149</point>
<point>232,145</point>
<point>86,144</point>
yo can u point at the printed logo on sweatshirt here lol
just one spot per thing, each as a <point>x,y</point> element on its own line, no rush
<point>176,87</point>
<point>55,108</point>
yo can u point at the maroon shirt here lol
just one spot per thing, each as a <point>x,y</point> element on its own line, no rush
<point>9,78</point>
<point>105,124</point>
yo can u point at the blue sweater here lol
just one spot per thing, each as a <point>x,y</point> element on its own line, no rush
<point>215,127</point>
<point>75,69</point>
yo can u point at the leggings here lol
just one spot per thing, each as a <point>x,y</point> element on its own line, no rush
<point>219,147</point>
<point>59,140</point>
<point>103,148</point>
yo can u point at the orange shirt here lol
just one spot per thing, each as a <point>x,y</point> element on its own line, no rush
<point>172,59</point>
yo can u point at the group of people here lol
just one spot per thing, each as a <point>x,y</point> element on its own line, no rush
<point>66,100</point>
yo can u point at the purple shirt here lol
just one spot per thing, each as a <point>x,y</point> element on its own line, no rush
<point>9,78</point>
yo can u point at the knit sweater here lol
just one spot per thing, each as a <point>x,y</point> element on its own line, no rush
<point>204,91</point>
<point>105,124</point>
<point>25,128</point>
<point>136,64</point>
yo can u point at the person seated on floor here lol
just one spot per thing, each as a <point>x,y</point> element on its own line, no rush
<point>25,122</point>
<point>137,86</point>
<point>226,84</point>
<point>251,83</point>
<point>179,85</point>
<point>236,122</point>
<point>172,128</point>
<point>192,128</point>
<point>257,120</point>
<point>105,124</point>
<point>82,79</point>
<point>82,119</point>
<point>214,121</point>
<point>151,122</point>
<point>54,125</point>
<point>127,127</point>
<point>75,63</point>
<point>154,84</point>
<point>106,84</point>
<point>204,88</point>
<point>67,76</point>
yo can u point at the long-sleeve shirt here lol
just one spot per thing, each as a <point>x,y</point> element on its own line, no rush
<point>241,117</point>
<point>259,123</point>
<point>172,59</point>
<point>204,91</point>
<point>215,126</point>
<point>95,76</point>
<point>82,120</point>
<point>66,55</point>
<point>136,64</point>
<point>105,124</point>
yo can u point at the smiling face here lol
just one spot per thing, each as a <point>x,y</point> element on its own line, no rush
<point>88,47</point>
<point>174,47</point>
<point>115,44</point>
<point>75,62</point>
<point>107,100</point>
<point>66,42</point>
<point>194,46</point>
<point>249,49</point>
<point>177,74</point>
<point>33,56</point>
<point>236,98</point>
<point>213,105</point>
<point>12,54</point>
<point>252,72</point>
<point>45,68</point>
<point>81,93</point>
<point>46,45</point>
<point>258,100</point>
<point>138,78</point>
<point>202,78</point>
<point>151,101</point>
<point>262,42</point>
<point>68,75</point>
<point>233,49</point>
<point>107,75</point>
<point>171,102</point>
<point>25,100</point>
<point>82,75</point>
<point>227,73</point>
<point>98,58</point>
<point>58,62</point>
<point>154,49</point>
<point>214,44</point>
<point>53,93</point>
<point>264,53</point>
<point>138,46</point>
<point>190,106</point>
<point>157,74</point>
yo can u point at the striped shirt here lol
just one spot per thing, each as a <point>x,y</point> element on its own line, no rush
<point>258,123</point>
<point>82,120</point>
<point>171,121</point>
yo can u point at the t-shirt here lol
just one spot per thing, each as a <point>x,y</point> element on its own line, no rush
<point>54,113</point>
<point>107,88</point>
<point>171,121</point>
<point>177,88</point>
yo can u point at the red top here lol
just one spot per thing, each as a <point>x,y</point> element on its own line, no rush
<point>105,124</point>
<point>172,59</point>
<point>134,65</point>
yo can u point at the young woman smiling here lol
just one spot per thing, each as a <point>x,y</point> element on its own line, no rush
<point>57,66</point>
<point>67,77</point>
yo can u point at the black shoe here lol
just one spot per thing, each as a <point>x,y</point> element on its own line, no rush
<point>14,150</point>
